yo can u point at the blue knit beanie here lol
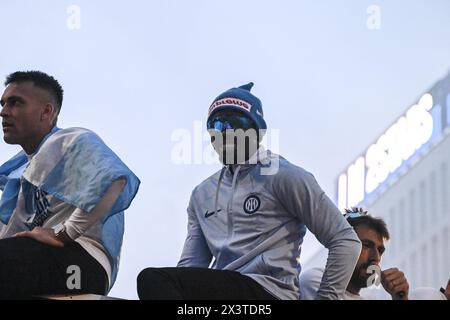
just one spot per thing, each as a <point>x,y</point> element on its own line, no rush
<point>240,99</point>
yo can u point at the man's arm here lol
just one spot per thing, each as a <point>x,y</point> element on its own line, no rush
<point>195,251</point>
<point>79,221</point>
<point>344,248</point>
<point>303,197</point>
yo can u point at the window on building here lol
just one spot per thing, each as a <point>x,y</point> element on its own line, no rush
<point>433,197</point>
<point>403,220</point>
<point>444,190</point>
<point>448,109</point>
<point>392,228</point>
<point>424,272</point>
<point>445,256</point>
<point>413,270</point>
<point>435,263</point>
<point>422,205</point>
<point>412,214</point>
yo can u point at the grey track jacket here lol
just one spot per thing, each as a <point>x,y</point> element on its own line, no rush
<point>254,223</point>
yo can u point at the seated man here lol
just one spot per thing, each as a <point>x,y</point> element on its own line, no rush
<point>372,232</point>
<point>63,198</point>
<point>251,217</point>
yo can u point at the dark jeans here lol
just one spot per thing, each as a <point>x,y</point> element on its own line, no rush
<point>198,284</point>
<point>30,268</point>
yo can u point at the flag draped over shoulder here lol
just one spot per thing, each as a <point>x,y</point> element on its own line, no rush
<point>75,166</point>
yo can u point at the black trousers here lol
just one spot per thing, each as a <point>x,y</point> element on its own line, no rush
<point>29,268</point>
<point>198,284</point>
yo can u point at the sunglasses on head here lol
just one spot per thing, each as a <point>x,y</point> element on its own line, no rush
<point>354,213</point>
<point>223,121</point>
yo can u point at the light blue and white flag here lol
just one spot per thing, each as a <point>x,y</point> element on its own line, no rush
<point>75,166</point>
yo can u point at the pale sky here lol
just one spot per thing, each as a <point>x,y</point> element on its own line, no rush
<point>138,71</point>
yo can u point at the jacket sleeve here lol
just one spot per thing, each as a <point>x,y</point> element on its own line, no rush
<point>302,196</point>
<point>195,252</point>
<point>79,221</point>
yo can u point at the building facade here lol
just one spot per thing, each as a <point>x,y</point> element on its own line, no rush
<point>404,178</point>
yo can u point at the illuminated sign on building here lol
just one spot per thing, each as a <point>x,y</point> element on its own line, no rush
<point>392,150</point>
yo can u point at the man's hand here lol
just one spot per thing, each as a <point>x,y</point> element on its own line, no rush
<point>43,235</point>
<point>395,283</point>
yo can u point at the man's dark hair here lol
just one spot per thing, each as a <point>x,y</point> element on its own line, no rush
<point>358,216</point>
<point>41,80</point>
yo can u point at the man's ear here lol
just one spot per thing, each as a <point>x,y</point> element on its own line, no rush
<point>48,112</point>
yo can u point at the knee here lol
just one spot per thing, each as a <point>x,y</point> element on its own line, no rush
<point>147,280</point>
<point>148,274</point>
<point>155,283</point>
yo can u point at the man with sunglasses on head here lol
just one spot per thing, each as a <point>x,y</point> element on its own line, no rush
<point>373,233</point>
<point>246,223</point>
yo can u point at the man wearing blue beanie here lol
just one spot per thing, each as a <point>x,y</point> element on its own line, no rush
<point>246,223</point>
